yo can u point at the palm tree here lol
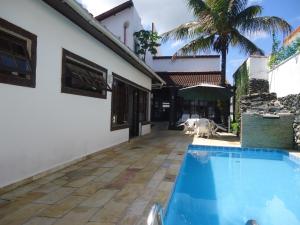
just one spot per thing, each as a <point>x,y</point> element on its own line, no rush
<point>223,23</point>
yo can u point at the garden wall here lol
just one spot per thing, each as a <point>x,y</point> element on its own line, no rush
<point>284,79</point>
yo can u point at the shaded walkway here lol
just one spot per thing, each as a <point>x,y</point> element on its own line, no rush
<point>116,186</point>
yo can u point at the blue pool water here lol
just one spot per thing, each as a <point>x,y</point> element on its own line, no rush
<point>229,186</point>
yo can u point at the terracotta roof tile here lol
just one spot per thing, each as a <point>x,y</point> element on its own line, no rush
<point>185,79</point>
<point>288,38</point>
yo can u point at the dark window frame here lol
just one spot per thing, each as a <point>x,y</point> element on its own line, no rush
<point>17,35</point>
<point>83,63</point>
<point>114,127</point>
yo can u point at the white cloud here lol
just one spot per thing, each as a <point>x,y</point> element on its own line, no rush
<point>254,2</point>
<point>258,35</point>
<point>178,43</point>
<point>166,14</point>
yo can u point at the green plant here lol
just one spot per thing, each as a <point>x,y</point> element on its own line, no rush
<point>275,50</point>
<point>283,53</point>
<point>235,127</point>
<point>241,83</point>
<point>146,41</point>
<point>222,23</point>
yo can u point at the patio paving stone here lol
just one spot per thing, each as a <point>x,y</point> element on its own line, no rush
<point>20,191</point>
<point>55,196</point>
<point>62,207</point>
<point>22,215</point>
<point>129,193</point>
<point>80,182</point>
<point>111,212</point>
<point>111,174</point>
<point>47,188</point>
<point>116,186</point>
<point>77,216</point>
<point>19,203</point>
<point>90,188</point>
<point>40,221</point>
<point>99,198</point>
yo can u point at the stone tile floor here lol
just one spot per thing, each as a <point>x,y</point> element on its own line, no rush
<point>116,186</point>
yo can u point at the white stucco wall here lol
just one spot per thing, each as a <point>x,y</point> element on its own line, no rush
<point>41,128</point>
<point>258,67</point>
<point>115,24</point>
<point>186,65</point>
<point>285,78</point>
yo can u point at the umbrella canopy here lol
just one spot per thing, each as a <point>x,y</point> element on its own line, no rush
<point>205,92</point>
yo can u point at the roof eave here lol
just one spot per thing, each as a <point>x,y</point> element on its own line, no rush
<point>115,10</point>
<point>74,12</point>
<point>187,57</point>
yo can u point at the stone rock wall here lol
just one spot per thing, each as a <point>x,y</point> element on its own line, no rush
<point>296,127</point>
<point>291,102</point>
<point>258,86</point>
<point>260,103</point>
<point>267,103</point>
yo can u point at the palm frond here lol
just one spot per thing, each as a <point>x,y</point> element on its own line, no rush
<point>184,31</point>
<point>248,13</point>
<point>221,43</point>
<point>245,44</point>
<point>218,7</point>
<point>236,6</point>
<point>204,44</point>
<point>269,24</point>
<point>198,7</point>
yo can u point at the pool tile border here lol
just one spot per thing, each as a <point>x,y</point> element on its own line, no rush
<point>271,151</point>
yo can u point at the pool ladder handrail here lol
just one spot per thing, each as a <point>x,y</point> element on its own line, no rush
<point>156,215</point>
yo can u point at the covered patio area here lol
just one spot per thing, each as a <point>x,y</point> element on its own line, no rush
<point>115,186</point>
<point>191,95</point>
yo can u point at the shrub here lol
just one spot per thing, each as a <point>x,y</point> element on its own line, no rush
<point>235,127</point>
<point>283,53</point>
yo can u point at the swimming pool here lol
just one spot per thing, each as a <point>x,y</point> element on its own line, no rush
<point>229,186</point>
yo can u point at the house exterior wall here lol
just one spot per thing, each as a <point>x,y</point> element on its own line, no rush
<point>284,79</point>
<point>186,64</point>
<point>41,128</point>
<point>115,24</point>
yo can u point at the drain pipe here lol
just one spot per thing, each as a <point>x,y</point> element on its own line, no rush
<point>91,20</point>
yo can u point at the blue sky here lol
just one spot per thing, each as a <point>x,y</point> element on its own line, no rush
<point>172,13</point>
<point>287,9</point>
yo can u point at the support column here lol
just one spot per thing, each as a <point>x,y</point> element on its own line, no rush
<point>172,118</point>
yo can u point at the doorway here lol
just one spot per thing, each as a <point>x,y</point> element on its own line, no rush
<point>134,126</point>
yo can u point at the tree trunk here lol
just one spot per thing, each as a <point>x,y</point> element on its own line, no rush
<point>223,67</point>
